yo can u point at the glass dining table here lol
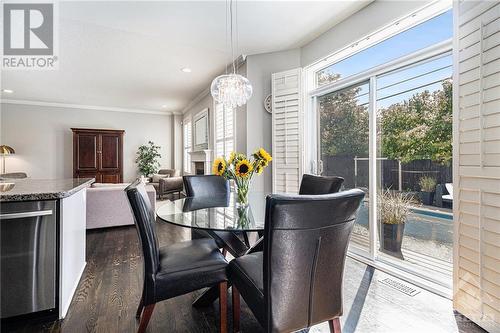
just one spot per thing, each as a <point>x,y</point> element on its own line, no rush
<point>215,214</point>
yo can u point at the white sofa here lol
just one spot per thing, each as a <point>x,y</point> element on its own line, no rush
<point>108,206</point>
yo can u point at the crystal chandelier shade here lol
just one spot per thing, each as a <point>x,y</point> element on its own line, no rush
<point>232,90</point>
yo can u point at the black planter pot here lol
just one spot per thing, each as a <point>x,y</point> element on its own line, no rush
<point>427,198</point>
<point>391,238</point>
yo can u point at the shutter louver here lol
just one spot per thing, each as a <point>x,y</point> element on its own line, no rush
<point>287,133</point>
<point>224,131</point>
<point>477,158</point>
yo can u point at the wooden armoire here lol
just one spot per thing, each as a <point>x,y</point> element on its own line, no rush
<point>98,153</point>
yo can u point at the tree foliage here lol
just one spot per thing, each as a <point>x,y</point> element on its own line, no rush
<point>419,128</point>
<point>344,123</point>
<point>414,129</point>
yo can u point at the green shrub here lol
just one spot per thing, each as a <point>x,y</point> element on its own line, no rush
<point>147,159</point>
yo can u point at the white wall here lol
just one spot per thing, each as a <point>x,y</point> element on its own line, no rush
<point>369,19</point>
<point>43,139</point>
<point>260,67</point>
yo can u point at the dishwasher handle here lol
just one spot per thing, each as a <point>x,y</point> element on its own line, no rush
<point>22,215</point>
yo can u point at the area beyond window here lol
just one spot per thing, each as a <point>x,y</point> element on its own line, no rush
<point>431,32</point>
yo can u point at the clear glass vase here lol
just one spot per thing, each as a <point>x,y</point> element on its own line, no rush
<point>242,193</point>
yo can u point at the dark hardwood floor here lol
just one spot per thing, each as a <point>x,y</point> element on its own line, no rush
<point>108,294</point>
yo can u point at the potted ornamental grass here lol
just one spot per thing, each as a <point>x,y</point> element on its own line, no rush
<point>147,159</point>
<point>394,210</point>
<point>240,168</point>
<point>427,189</point>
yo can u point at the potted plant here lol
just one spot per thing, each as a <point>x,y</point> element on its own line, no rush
<point>147,159</point>
<point>427,189</point>
<point>241,169</point>
<point>394,209</point>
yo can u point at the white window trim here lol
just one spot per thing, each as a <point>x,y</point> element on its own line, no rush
<point>225,138</point>
<point>186,158</point>
<point>423,14</point>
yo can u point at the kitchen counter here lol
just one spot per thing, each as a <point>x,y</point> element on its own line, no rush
<point>44,224</point>
<point>41,189</point>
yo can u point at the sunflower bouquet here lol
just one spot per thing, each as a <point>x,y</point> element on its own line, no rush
<point>241,169</point>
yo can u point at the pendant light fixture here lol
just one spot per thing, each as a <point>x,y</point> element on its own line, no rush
<point>231,90</point>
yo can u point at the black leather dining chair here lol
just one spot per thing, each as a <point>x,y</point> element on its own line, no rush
<point>206,186</point>
<point>312,184</point>
<point>176,269</point>
<point>210,186</point>
<point>296,282</point>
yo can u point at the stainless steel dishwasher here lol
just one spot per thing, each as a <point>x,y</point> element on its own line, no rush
<point>28,257</point>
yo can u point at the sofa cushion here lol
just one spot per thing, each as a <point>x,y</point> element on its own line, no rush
<point>122,185</point>
<point>156,177</point>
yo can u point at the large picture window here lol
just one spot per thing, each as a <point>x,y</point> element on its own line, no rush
<point>188,144</point>
<point>428,33</point>
<point>384,124</point>
<point>224,130</point>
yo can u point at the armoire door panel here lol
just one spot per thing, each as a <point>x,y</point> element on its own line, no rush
<point>110,152</point>
<point>110,178</point>
<point>86,152</point>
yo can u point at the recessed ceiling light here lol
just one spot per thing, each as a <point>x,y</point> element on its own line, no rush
<point>164,106</point>
<point>7,91</point>
<point>186,69</point>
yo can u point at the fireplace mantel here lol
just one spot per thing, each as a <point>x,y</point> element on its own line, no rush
<point>204,156</point>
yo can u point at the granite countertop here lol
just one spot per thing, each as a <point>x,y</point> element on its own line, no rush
<point>41,189</point>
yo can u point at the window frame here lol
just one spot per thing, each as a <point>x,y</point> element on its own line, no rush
<point>186,148</point>
<point>311,120</point>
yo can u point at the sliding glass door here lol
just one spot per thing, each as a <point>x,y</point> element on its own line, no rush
<point>404,115</point>
<point>414,145</point>
<point>344,145</point>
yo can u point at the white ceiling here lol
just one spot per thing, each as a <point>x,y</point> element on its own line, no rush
<point>129,54</point>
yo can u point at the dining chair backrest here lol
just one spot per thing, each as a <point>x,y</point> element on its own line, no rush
<point>145,223</point>
<point>206,186</point>
<point>314,185</point>
<point>305,245</point>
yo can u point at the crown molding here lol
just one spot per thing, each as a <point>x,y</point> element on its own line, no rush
<point>196,100</point>
<point>85,107</point>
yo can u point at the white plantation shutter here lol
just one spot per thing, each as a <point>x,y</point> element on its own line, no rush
<point>224,130</point>
<point>287,131</point>
<point>477,162</point>
<point>187,145</point>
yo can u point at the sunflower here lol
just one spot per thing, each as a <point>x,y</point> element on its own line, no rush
<point>259,168</point>
<point>264,155</point>
<point>243,168</point>
<point>232,156</point>
<point>219,166</point>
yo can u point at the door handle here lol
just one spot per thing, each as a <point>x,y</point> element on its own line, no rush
<point>320,167</point>
<point>37,213</point>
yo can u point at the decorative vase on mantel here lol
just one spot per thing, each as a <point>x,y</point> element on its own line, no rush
<point>241,169</point>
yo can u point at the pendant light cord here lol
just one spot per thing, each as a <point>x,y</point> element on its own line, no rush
<point>232,37</point>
